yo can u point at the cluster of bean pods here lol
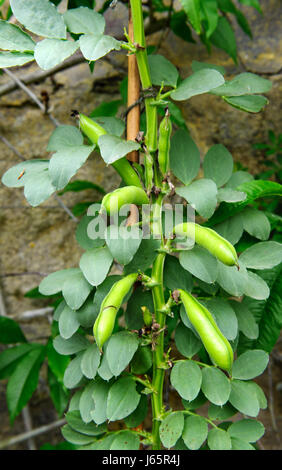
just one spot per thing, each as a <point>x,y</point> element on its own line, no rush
<point>216,345</point>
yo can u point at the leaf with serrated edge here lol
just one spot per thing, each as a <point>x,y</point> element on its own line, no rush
<point>23,381</point>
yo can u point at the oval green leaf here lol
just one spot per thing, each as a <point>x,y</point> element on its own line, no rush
<point>218,164</point>
<point>41,17</point>
<point>120,350</point>
<point>250,364</point>
<point>184,156</point>
<point>215,385</point>
<point>195,432</point>
<point>249,430</point>
<point>202,81</point>
<point>202,195</point>
<point>186,378</point>
<point>200,263</point>
<point>186,342</point>
<point>123,399</point>
<point>262,255</point>
<point>171,429</point>
<point>244,398</point>
<point>218,439</point>
<point>95,264</point>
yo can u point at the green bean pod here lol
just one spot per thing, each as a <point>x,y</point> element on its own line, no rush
<point>112,202</point>
<point>105,322</point>
<point>147,316</point>
<point>93,131</point>
<point>209,239</point>
<point>164,143</point>
<point>151,138</point>
<point>215,343</point>
<point>90,128</point>
<point>149,171</point>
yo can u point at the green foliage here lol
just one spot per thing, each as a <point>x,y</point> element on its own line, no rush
<point>271,150</point>
<point>113,148</point>
<point>51,52</point>
<point>186,389</point>
<point>46,22</point>
<point>215,386</point>
<point>10,332</point>
<point>21,363</point>
<point>200,263</point>
<point>163,72</point>
<point>218,165</point>
<point>120,350</point>
<point>184,149</point>
<point>12,38</point>
<point>207,19</point>
<point>171,428</point>
<point>95,264</point>
<point>115,382</point>
<point>202,81</point>
<point>195,432</point>
<point>196,195</point>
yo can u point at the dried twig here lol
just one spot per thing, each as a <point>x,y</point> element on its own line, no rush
<point>31,95</point>
<point>26,416</point>
<point>30,314</point>
<point>2,305</point>
<point>28,273</point>
<point>24,88</point>
<point>41,75</point>
<point>35,432</point>
<point>66,209</point>
<point>11,147</point>
<point>77,59</point>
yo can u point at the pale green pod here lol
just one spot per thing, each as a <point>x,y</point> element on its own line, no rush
<point>165,130</point>
<point>147,316</point>
<point>215,343</point>
<point>105,322</point>
<point>113,201</point>
<point>90,128</point>
<point>149,171</point>
<point>93,131</point>
<point>218,246</point>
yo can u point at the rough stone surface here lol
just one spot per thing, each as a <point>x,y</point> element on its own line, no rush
<point>42,239</point>
<point>209,118</point>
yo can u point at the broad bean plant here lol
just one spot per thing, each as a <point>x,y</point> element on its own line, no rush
<point>166,296</point>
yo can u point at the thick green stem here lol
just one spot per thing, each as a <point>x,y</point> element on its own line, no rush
<point>157,270</point>
<point>158,355</point>
<point>140,43</point>
<point>144,72</point>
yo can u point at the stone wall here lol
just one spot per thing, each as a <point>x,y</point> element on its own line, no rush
<point>41,239</point>
<point>210,120</point>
